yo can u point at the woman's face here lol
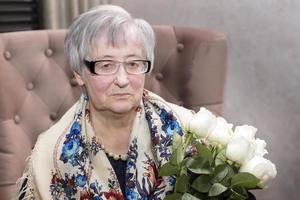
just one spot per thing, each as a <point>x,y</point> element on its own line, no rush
<point>120,92</point>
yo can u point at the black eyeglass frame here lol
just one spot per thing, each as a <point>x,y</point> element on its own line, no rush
<point>91,65</point>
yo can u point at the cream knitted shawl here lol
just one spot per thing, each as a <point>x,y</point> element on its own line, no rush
<point>68,163</point>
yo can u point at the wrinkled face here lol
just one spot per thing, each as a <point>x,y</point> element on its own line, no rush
<point>120,92</point>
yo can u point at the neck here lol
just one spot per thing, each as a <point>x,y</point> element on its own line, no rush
<point>113,129</point>
<point>112,121</point>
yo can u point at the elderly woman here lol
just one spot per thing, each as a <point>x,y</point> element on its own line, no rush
<point>110,144</point>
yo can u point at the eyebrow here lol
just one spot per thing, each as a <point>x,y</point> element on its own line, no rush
<point>104,56</point>
<point>109,56</point>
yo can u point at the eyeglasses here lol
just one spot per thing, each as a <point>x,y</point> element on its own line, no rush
<point>109,67</point>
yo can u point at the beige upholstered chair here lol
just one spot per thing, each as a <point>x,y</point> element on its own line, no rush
<point>37,86</point>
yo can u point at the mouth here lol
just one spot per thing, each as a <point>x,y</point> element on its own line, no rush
<point>121,94</point>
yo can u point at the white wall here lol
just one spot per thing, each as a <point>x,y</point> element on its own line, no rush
<point>263,80</point>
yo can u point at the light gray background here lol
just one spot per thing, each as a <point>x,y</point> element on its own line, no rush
<point>262,87</point>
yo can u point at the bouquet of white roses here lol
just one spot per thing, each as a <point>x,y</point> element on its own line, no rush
<point>214,162</point>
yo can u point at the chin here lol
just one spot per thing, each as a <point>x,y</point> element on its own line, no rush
<point>123,107</point>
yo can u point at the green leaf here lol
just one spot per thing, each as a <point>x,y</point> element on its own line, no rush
<point>177,141</point>
<point>244,179</point>
<point>177,156</point>
<point>200,171</point>
<point>226,180</point>
<point>219,174</point>
<point>182,184</point>
<point>183,170</point>
<point>240,190</point>
<point>204,152</point>
<point>187,196</point>
<point>221,157</point>
<point>173,196</point>
<point>202,183</point>
<point>198,165</point>
<point>212,198</point>
<point>236,195</point>
<point>216,189</point>
<point>200,195</point>
<point>168,169</point>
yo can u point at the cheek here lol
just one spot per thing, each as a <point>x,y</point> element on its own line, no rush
<point>99,86</point>
<point>137,83</point>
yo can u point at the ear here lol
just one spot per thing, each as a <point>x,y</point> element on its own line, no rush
<point>79,79</point>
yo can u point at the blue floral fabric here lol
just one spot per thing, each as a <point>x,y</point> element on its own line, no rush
<point>76,151</point>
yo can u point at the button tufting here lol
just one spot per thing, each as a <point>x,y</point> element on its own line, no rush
<point>159,76</point>
<point>7,55</point>
<point>73,82</point>
<point>49,52</point>
<point>17,119</point>
<point>53,116</point>
<point>30,86</point>
<point>180,47</point>
<point>180,103</point>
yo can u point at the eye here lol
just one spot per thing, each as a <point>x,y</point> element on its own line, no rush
<point>133,64</point>
<point>105,65</point>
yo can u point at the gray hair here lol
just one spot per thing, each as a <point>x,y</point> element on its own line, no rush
<point>109,19</point>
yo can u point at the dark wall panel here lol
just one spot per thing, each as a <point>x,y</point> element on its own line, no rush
<point>19,15</point>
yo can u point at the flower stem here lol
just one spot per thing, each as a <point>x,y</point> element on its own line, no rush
<point>187,141</point>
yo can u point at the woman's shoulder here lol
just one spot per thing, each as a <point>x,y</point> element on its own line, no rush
<point>40,159</point>
<point>48,138</point>
<point>183,114</point>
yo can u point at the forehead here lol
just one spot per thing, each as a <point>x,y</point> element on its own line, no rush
<point>123,42</point>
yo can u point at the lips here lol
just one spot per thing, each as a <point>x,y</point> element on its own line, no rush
<point>120,94</point>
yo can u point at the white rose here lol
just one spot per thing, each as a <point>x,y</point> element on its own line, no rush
<point>241,147</point>
<point>246,131</point>
<point>260,147</point>
<point>239,150</point>
<point>262,168</point>
<point>185,116</point>
<point>202,123</point>
<point>222,132</point>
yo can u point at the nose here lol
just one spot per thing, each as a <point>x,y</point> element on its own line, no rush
<point>121,78</point>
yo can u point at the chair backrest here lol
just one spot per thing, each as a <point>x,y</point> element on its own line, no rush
<point>37,86</point>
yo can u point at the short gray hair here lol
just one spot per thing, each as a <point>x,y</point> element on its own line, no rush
<point>110,19</point>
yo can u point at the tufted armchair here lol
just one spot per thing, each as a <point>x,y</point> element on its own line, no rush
<point>37,86</point>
